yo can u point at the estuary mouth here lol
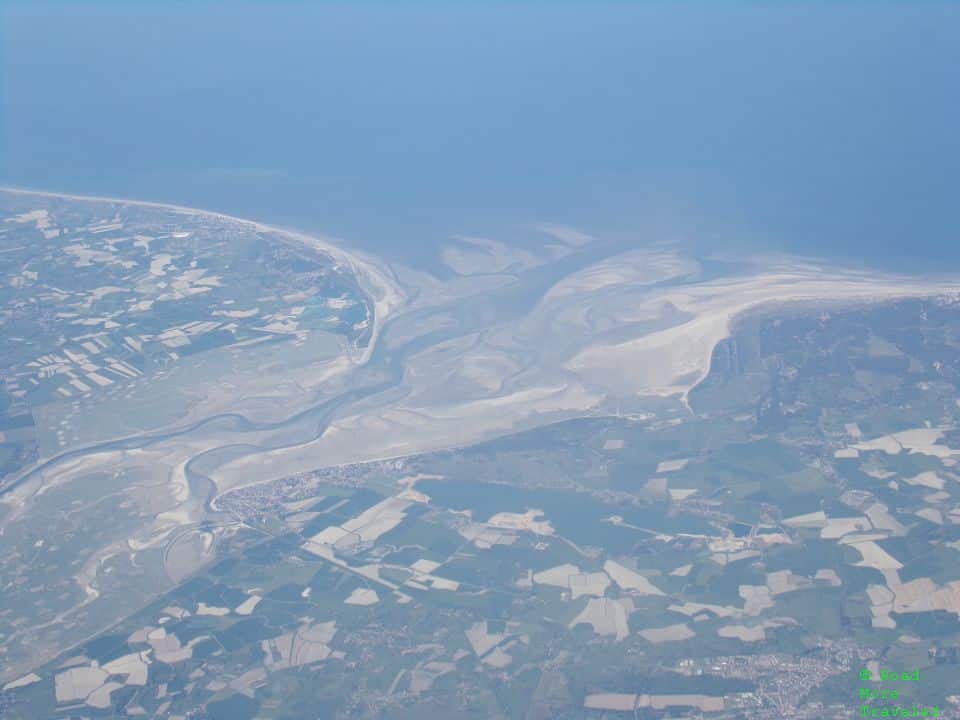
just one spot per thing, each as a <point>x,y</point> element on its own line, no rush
<point>534,361</point>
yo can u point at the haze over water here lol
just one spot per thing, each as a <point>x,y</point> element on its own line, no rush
<point>823,128</point>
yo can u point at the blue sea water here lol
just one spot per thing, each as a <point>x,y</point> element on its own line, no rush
<point>813,127</point>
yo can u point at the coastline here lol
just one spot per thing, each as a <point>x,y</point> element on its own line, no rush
<point>375,279</point>
<point>664,363</point>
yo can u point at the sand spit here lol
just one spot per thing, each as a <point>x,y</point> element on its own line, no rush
<point>676,359</point>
